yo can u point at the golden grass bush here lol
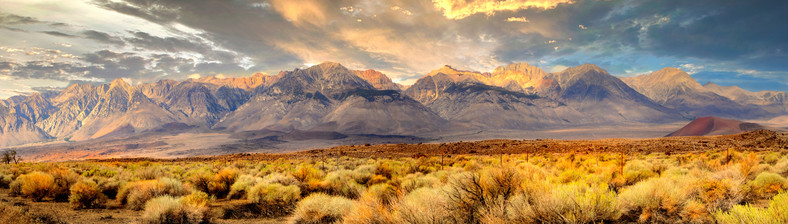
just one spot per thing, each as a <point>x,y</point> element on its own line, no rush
<point>200,180</point>
<point>306,173</point>
<point>274,193</point>
<point>321,208</point>
<point>274,200</point>
<point>35,185</point>
<point>280,178</point>
<point>370,209</point>
<point>167,209</point>
<point>242,185</point>
<point>220,185</point>
<point>86,194</point>
<point>412,182</point>
<point>768,184</point>
<point>342,183</point>
<point>542,202</point>
<point>424,206</point>
<point>657,199</point>
<point>720,190</point>
<point>638,170</point>
<point>386,194</point>
<point>777,212</point>
<point>135,194</point>
<point>12,214</point>
<point>63,178</point>
<point>5,180</point>
<point>471,194</point>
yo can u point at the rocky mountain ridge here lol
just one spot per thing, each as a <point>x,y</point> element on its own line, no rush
<point>332,98</point>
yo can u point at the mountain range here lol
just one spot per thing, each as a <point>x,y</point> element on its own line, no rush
<point>332,98</point>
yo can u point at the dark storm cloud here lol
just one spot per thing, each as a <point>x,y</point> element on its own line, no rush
<point>103,37</point>
<point>11,19</point>
<point>58,33</point>
<point>411,37</point>
<point>168,44</point>
<point>154,11</point>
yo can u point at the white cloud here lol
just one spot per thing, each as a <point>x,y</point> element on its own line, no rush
<point>691,68</point>
<point>194,76</point>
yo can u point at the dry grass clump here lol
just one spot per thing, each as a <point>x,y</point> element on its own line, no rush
<point>342,183</point>
<point>5,180</point>
<point>135,194</point>
<point>35,185</point>
<point>242,185</point>
<point>768,184</point>
<point>425,205</point>
<point>279,178</point>
<point>656,200</point>
<point>86,194</point>
<point>220,185</point>
<point>63,178</point>
<point>200,180</point>
<point>307,173</point>
<point>470,195</point>
<point>370,209</point>
<point>777,212</point>
<point>274,199</point>
<point>168,209</point>
<point>638,170</point>
<point>321,208</point>
<point>575,202</point>
<point>12,214</point>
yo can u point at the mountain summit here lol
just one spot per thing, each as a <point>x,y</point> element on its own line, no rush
<point>675,89</point>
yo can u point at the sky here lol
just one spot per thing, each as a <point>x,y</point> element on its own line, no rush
<point>48,44</point>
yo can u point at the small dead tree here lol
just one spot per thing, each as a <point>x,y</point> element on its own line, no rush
<point>10,156</point>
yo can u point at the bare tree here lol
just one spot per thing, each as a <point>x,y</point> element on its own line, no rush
<point>10,156</point>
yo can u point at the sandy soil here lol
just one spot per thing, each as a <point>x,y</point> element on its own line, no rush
<point>61,212</point>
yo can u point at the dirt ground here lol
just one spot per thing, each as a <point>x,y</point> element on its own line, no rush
<point>750,141</point>
<point>61,212</point>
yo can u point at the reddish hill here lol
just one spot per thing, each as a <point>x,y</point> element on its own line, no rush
<point>703,126</point>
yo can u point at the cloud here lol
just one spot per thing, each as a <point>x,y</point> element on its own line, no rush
<point>517,19</point>
<point>103,37</point>
<point>301,11</point>
<point>691,68</point>
<point>582,27</point>
<point>58,33</point>
<point>194,76</point>
<point>11,19</point>
<point>459,9</point>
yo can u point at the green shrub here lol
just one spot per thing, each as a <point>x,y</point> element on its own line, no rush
<point>321,208</point>
<point>135,194</point>
<point>86,194</point>
<point>36,185</point>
